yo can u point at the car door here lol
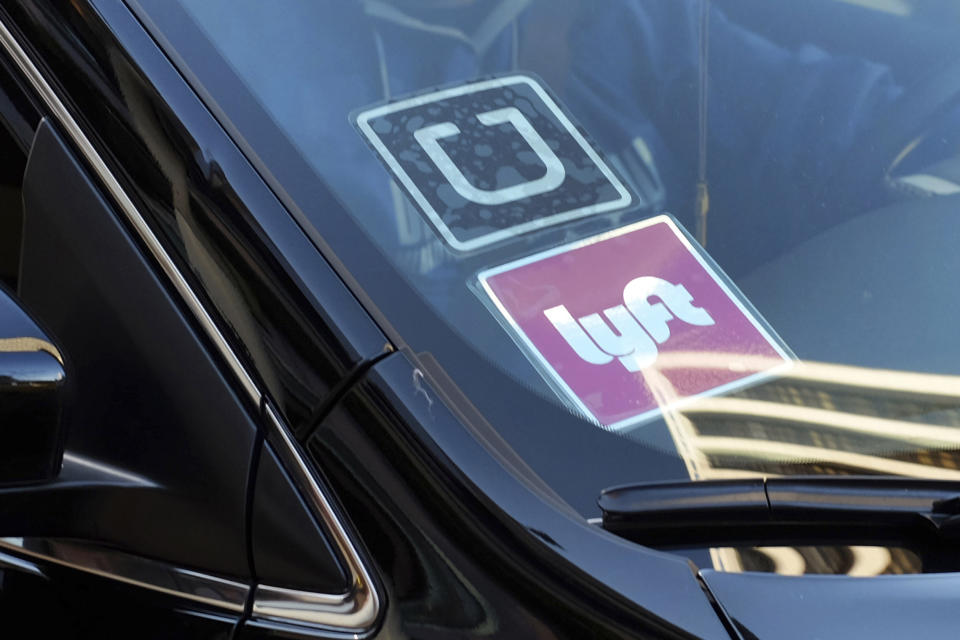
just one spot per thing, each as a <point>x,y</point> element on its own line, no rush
<point>171,517</point>
<point>147,511</point>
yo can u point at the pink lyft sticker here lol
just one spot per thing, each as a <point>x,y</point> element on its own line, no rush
<point>630,322</point>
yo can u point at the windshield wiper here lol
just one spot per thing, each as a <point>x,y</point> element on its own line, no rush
<point>787,511</point>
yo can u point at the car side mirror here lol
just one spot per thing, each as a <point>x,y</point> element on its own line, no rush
<point>31,386</point>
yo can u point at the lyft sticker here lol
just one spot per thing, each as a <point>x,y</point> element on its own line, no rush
<point>487,161</point>
<point>631,322</point>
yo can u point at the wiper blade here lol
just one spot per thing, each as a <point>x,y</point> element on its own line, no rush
<point>788,510</point>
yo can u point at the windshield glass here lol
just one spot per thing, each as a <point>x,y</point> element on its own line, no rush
<point>646,239</point>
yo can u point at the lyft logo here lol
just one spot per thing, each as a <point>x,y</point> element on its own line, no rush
<point>638,325</point>
<point>628,323</point>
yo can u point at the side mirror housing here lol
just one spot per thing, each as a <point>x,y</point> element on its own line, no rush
<point>32,378</point>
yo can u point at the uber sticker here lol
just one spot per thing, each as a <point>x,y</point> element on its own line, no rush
<point>633,321</point>
<point>487,161</point>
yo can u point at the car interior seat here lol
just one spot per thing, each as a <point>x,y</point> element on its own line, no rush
<point>880,290</point>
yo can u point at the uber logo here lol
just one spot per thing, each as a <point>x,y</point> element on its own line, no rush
<point>488,161</point>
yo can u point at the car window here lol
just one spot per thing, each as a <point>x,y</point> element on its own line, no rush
<point>134,433</point>
<point>720,229</point>
<point>15,117</point>
<point>126,412</point>
<point>11,215</point>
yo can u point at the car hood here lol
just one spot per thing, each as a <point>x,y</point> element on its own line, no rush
<point>765,606</point>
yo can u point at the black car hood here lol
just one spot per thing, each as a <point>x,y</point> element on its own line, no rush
<point>765,606</point>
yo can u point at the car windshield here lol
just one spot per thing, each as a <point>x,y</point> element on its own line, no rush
<point>643,239</point>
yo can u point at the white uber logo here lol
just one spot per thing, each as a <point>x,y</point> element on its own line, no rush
<point>553,178</point>
<point>487,161</point>
<point>640,325</point>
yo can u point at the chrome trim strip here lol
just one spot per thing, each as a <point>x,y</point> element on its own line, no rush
<point>134,570</point>
<point>277,603</point>
<point>360,607</point>
<point>354,610</point>
<point>13,563</point>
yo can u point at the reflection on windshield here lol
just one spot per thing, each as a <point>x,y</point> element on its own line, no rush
<point>822,418</point>
<point>853,561</point>
<point>895,7</point>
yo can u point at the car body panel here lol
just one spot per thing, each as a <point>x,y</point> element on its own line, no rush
<point>453,529</point>
<point>771,606</point>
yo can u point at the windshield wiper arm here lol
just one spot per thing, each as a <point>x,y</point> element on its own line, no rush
<point>788,510</point>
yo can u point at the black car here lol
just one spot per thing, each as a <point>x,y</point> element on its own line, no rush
<point>479,318</point>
